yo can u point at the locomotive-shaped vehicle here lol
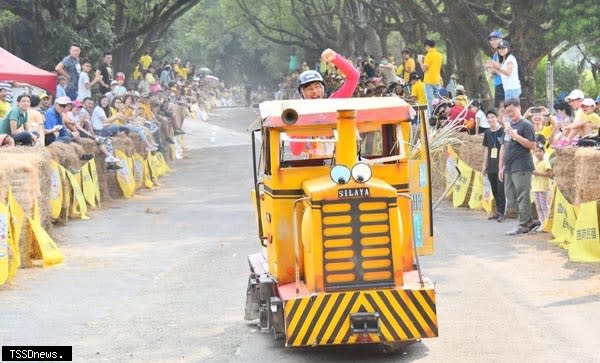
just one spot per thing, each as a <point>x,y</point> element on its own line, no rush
<point>343,215</point>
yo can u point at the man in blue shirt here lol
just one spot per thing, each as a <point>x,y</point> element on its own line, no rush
<point>494,39</point>
<point>54,127</point>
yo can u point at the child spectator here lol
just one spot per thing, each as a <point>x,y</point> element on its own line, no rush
<point>61,87</point>
<point>540,185</point>
<point>493,139</point>
<point>481,122</point>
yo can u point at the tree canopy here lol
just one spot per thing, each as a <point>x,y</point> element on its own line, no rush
<point>250,41</point>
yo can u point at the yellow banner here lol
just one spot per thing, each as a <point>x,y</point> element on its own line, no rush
<point>78,207</point>
<point>547,227</point>
<point>51,254</point>
<point>138,170</point>
<point>56,190</point>
<point>487,199</point>
<point>4,235</point>
<point>125,174</point>
<point>94,175</point>
<point>147,177</point>
<point>16,225</point>
<point>461,188</point>
<point>451,173</point>
<point>155,167</point>
<point>87,186</point>
<point>67,193</point>
<point>164,167</point>
<point>564,219</point>
<point>476,200</point>
<point>173,152</point>
<point>586,244</point>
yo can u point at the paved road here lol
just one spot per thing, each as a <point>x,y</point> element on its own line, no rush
<point>169,285</point>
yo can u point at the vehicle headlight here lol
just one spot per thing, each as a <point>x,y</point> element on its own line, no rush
<point>340,174</point>
<point>361,172</point>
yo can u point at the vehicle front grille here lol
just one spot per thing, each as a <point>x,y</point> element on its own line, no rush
<point>357,249</point>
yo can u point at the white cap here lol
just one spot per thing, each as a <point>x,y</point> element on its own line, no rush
<point>64,100</point>
<point>575,94</point>
<point>588,102</point>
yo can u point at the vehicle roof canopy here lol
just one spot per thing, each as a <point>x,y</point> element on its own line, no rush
<point>324,111</point>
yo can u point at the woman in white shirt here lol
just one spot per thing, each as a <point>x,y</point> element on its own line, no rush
<point>508,71</point>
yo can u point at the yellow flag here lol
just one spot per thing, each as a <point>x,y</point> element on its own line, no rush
<point>487,199</point>
<point>87,186</point>
<point>547,227</point>
<point>164,167</point>
<point>147,177</point>
<point>56,190</point>
<point>564,219</point>
<point>173,152</point>
<point>586,243</point>
<point>138,170</point>
<point>67,193</point>
<point>51,254</point>
<point>461,188</point>
<point>155,166</point>
<point>79,207</point>
<point>475,202</point>
<point>94,175</point>
<point>125,174</point>
<point>451,173</point>
<point>4,232</point>
<point>15,227</point>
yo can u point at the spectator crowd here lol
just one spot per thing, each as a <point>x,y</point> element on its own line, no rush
<point>98,103</point>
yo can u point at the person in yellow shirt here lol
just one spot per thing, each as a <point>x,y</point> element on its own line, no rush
<point>145,60</point>
<point>540,184</point>
<point>4,104</point>
<point>417,89</point>
<point>409,65</point>
<point>431,64</point>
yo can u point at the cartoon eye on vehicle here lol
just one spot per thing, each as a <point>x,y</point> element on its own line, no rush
<point>361,172</point>
<point>340,174</point>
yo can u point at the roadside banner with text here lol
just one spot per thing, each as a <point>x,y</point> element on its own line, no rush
<point>586,243</point>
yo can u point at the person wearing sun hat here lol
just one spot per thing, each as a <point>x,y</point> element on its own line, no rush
<point>54,127</point>
<point>494,39</point>
<point>508,69</point>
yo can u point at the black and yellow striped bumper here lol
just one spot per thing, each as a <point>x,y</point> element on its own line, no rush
<point>324,319</point>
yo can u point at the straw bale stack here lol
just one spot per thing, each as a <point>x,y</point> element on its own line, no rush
<point>112,184</point>
<point>102,175</point>
<point>89,145</point>
<point>123,143</point>
<point>587,178</point>
<point>438,173</point>
<point>471,150</point>
<point>565,171</point>
<point>67,155</point>
<point>138,145</point>
<point>27,171</point>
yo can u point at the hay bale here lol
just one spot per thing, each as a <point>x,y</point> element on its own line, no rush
<point>124,143</point>
<point>438,173</point>
<point>587,178</point>
<point>89,145</point>
<point>102,176</point>
<point>471,150</point>
<point>27,171</point>
<point>113,188</point>
<point>67,155</point>
<point>138,145</point>
<point>564,172</point>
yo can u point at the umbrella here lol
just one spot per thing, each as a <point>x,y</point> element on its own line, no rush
<point>212,80</point>
<point>204,70</point>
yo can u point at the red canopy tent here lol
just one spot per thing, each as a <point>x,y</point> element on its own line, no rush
<point>13,68</point>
